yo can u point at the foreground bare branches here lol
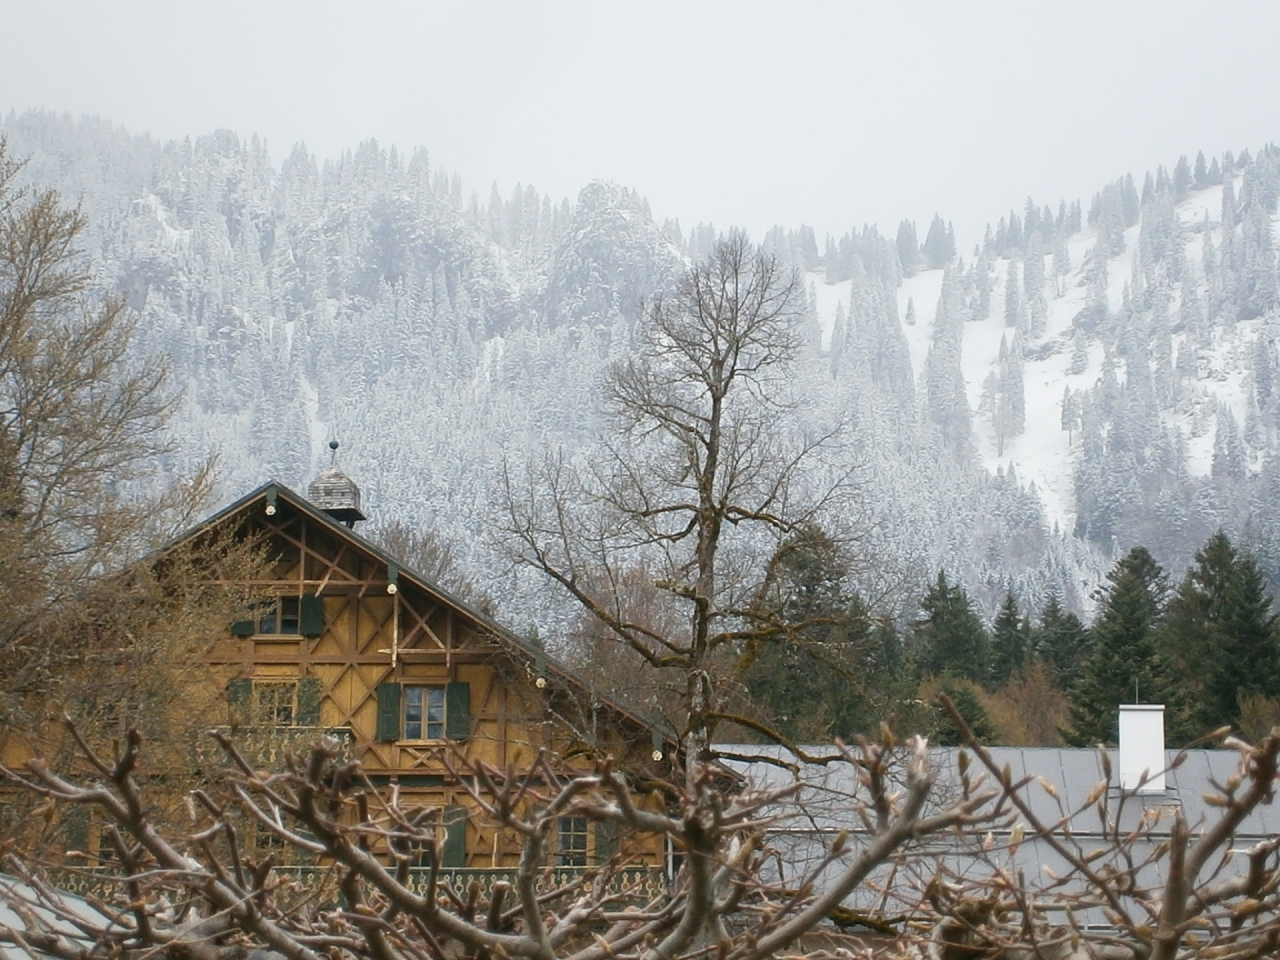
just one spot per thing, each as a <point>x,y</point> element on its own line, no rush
<point>1132,877</point>
<point>1128,880</point>
<point>206,891</point>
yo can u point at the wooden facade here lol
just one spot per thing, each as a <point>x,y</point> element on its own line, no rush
<point>345,639</point>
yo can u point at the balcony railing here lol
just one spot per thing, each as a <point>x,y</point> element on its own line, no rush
<point>267,747</point>
<point>319,883</point>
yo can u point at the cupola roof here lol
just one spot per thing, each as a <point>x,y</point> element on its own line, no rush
<point>335,493</point>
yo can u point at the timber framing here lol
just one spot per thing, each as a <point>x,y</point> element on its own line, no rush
<point>422,686</point>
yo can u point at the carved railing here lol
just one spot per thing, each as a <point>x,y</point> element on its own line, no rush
<point>319,883</point>
<point>266,747</point>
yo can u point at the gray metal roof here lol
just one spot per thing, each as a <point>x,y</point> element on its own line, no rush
<point>801,832</point>
<point>15,892</point>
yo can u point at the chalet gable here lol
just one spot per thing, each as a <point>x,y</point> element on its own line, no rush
<point>344,636</point>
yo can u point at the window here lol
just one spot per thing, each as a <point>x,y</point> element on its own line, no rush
<point>279,615</point>
<point>104,846</point>
<point>283,616</point>
<point>419,711</point>
<point>424,713</point>
<point>265,842</point>
<point>451,827</point>
<point>274,704</point>
<point>571,842</point>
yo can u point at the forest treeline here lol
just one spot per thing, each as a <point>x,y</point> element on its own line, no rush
<point>1208,647</point>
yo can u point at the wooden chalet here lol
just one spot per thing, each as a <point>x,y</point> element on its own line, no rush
<point>420,686</point>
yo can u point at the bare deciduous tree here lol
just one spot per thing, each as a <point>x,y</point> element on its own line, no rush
<point>81,428</point>
<point>1130,881</point>
<point>431,555</point>
<point>703,477</point>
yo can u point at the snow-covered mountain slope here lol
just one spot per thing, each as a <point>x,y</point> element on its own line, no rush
<point>439,338</point>
<point>1214,367</point>
<point>1043,454</point>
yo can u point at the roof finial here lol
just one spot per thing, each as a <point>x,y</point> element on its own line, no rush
<point>333,458</point>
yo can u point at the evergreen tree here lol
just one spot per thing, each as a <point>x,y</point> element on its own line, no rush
<point>1230,461</point>
<point>1096,303</point>
<point>1079,352</point>
<point>1070,413</point>
<point>945,395</point>
<point>823,678</point>
<point>1014,311</point>
<point>908,248</point>
<point>1060,641</point>
<point>1220,637</point>
<point>1264,372</point>
<point>965,695</point>
<point>1121,660</point>
<point>1013,393</point>
<point>1181,178</point>
<point>1061,262</point>
<point>1037,308</point>
<point>939,244</point>
<point>982,288</point>
<point>1129,201</point>
<point>950,638</point>
<point>1010,641</point>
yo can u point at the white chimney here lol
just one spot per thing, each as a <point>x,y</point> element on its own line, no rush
<point>1142,747</point>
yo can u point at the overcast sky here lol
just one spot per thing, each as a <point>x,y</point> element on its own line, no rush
<point>746,112</point>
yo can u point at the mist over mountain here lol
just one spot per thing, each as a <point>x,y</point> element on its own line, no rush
<point>1091,376</point>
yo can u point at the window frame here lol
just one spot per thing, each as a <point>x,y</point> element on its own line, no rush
<point>458,719</point>
<point>425,723</point>
<point>573,842</point>
<point>283,615</point>
<point>258,715</point>
<point>278,611</point>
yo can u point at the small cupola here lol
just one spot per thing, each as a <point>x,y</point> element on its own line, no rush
<point>335,493</point>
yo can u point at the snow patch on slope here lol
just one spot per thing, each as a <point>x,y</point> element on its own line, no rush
<point>1045,454</point>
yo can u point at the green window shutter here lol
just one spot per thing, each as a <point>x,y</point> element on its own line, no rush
<point>243,628</point>
<point>239,696</point>
<point>311,616</point>
<point>309,694</point>
<point>455,837</point>
<point>388,711</point>
<point>239,690</point>
<point>606,840</point>
<point>457,711</point>
<point>75,830</point>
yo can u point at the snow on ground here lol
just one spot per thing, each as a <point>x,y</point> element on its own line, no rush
<point>923,290</point>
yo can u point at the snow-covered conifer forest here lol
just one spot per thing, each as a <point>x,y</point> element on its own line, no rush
<point>1090,376</point>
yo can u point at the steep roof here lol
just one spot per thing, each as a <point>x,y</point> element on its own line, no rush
<point>515,644</point>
